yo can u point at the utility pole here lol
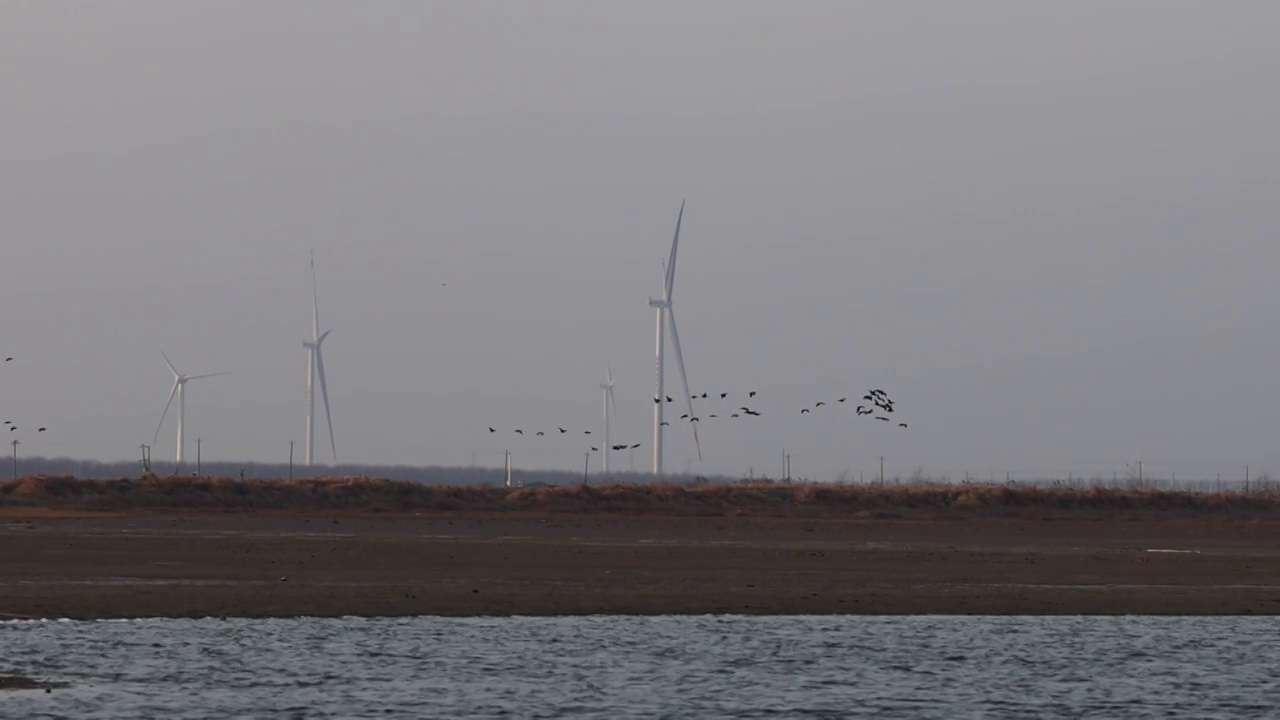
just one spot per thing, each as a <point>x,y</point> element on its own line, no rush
<point>15,458</point>
<point>787,466</point>
<point>198,457</point>
<point>290,459</point>
<point>881,469</point>
<point>586,459</point>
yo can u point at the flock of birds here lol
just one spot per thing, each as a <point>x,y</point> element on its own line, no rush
<point>878,405</point>
<point>9,423</point>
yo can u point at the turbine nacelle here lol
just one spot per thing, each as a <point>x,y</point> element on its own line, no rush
<point>659,303</point>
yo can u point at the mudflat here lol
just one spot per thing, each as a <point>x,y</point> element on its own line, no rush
<point>80,564</point>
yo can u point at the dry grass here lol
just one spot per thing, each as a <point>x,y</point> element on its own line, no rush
<point>746,498</point>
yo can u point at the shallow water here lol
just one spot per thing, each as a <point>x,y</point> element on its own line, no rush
<point>668,667</point>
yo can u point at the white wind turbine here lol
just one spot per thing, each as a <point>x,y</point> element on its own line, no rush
<point>610,414</point>
<point>179,388</point>
<point>667,321</point>
<point>315,366</point>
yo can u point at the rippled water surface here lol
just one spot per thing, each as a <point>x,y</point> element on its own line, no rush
<point>615,667</point>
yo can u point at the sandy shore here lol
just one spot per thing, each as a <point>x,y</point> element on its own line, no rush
<point>261,565</point>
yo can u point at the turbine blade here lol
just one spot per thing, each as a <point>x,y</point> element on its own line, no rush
<point>324,392</point>
<point>197,377</point>
<point>671,264</point>
<point>684,378</point>
<point>172,392</point>
<point>315,300</point>
<point>172,369</point>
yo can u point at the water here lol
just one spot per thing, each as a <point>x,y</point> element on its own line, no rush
<point>663,667</point>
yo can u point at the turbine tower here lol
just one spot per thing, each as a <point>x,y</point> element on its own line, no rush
<point>315,366</point>
<point>180,389</point>
<point>667,322</point>
<point>610,413</point>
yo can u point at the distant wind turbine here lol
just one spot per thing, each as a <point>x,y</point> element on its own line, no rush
<point>610,414</point>
<point>667,322</point>
<point>315,366</point>
<point>179,388</point>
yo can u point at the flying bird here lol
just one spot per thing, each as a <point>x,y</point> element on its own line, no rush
<point>751,394</point>
<point>682,417</point>
<point>724,395</point>
<point>633,447</point>
<point>657,401</point>
<point>902,424</point>
<point>804,410</point>
<point>562,430</point>
<point>540,433</point>
<point>8,359</point>
<point>519,432</point>
<point>43,429</point>
<point>842,399</point>
<point>734,415</point>
<point>492,430</point>
<point>820,404</point>
<point>664,422</point>
<point>879,417</point>
<point>669,399</point>
<point>586,432</point>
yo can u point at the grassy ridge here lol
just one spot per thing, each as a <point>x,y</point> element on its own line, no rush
<point>746,498</point>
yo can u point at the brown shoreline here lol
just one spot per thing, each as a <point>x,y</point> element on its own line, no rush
<point>68,562</point>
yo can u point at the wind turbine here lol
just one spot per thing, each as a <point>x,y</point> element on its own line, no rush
<point>179,388</point>
<point>315,366</point>
<point>610,408</point>
<point>667,321</point>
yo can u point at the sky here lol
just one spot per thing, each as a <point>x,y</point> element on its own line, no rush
<point>1048,230</point>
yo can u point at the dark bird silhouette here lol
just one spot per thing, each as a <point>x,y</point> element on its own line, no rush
<point>540,433</point>
<point>804,410</point>
<point>682,417</point>
<point>751,394</point>
<point>862,410</point>
<point>633,447</point>
<point>820,404</point>
<point>745,409</point>
<point>704,396</point>
<point>562,430</point>
<point>713,415</point>
<point>669,399</point>
<point>586,432</point>
<point>880,417</point>
<point>9,359</point>
<point>902,424</point>
<point>618,447</point>
<point>664,422</point>
<point>724,395</point>
<point>657,401</point>
<point>842,399</point>
<point>519,432</point>
<point>734,415</point>
<point>869,398</point>
<point>43,429</point>
<point>595,449</point>
<point>693,419</point>
<point>15,427</point>
<point>492,430</point>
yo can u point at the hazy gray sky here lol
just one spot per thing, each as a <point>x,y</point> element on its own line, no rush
<point>1048,229</point>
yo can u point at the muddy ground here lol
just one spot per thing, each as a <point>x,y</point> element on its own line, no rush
<point>84,565</point>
